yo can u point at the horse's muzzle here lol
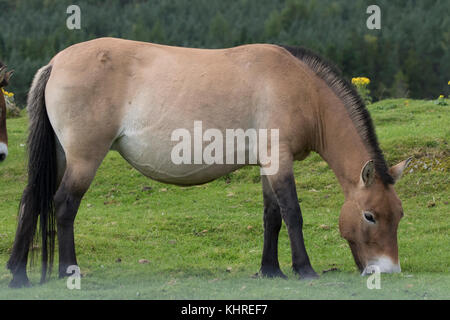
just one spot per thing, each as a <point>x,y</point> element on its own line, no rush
<point>382,265</point>
<point>3,151</point>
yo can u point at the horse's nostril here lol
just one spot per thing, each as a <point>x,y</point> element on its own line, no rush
<point>2,156</point>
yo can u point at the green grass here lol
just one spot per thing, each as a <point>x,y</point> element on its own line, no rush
<point>205,242</point>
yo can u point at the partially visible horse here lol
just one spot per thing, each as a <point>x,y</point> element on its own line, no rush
<point>4,78</point>
<point>131,96</point>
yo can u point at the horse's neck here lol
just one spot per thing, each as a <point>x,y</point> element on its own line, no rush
<point>339,143</point>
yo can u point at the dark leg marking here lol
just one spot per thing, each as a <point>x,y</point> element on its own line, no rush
<point>67,202</point>
<point>270,266</point>
<point>286,194</point>
<point>23,239</point>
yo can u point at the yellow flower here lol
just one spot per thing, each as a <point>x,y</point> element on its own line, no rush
<point>8,94</point>
<point>448,83</point>
<point>360,81</point>
<point>441,96</point>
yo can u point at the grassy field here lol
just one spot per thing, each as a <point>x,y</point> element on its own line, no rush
<point>205,242</point>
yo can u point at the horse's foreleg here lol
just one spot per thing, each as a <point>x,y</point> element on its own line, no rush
<point>270,266</point>
<point>283,186</point>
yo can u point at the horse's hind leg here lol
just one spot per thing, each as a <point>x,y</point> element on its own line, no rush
<point>270,266</point>
<point>283,186</point>
<point>19,257</point>
<point>77,178</point>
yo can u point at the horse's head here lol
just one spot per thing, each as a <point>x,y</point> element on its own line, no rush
<point>4,78</point>
<point>369,220</point>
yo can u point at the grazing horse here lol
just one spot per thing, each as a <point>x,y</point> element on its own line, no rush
<point>115,94</point>
<point>4,78</point>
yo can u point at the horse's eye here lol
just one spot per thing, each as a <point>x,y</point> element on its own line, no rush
<point>369,217</point>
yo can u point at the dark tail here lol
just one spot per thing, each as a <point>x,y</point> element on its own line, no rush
<point>37,199</point>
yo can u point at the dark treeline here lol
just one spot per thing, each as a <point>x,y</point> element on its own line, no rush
<point>409,56</point>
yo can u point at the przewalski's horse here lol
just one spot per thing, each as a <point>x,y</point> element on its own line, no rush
<point>130,96</point>
<point>4,78</point>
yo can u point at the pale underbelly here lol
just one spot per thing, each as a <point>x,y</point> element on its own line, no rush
<point>152,157</point>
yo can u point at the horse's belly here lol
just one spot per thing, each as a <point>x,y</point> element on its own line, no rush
<point>153,116</point>
<point>151,156</point>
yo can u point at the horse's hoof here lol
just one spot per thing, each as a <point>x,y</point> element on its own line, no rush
<point>19,282</point>
<point>307,273</point>
<point>272,273</point>
<point>309,276</point>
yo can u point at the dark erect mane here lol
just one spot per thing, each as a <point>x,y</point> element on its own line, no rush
<point>353,103</point>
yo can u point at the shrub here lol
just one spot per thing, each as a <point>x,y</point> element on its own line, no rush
<point>361,84</point>
<point>440,101</point>
<point>12,110</point>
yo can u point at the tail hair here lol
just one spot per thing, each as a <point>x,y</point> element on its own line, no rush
<point>37,199</point>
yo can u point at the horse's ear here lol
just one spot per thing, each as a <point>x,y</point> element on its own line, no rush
<point>4,76</point>
<point>8,75</point>
<point>368,174</point>
<point>397,170</point>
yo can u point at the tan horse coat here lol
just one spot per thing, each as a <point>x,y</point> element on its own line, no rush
<point>130,96</point>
